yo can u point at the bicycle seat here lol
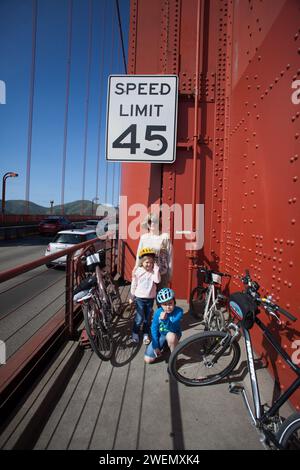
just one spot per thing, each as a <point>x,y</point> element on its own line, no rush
<point>86,284</point>
<point>82,295</point>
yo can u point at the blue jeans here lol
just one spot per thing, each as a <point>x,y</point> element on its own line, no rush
<point>162,340</point>
<point>142,315</point>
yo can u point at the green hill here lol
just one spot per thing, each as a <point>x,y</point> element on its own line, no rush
<point>70,208</point>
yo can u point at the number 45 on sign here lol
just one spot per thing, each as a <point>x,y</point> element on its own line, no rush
<point>141,121</point>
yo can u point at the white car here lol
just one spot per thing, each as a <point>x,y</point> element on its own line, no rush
<point>66,239</point>
<point>91,224</point>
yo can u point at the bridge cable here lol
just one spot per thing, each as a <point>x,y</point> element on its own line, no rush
<point>68,73</point>
<point>31,100</point>
<point>121,36</point>
<point>111,70</point>
<point>87,100</point>
<point>103,29</point>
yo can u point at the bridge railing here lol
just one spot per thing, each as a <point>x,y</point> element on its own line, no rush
<point>38,312</point>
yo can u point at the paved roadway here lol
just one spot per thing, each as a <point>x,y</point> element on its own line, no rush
<point>29,300</point>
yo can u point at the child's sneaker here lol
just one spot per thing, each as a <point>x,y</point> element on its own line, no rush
<point>135,338</point>
<point>146,339</point>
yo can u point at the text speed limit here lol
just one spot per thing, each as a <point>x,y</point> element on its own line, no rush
<point>142,118</point>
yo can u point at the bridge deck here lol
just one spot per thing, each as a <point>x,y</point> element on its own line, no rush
<point>83,403</point>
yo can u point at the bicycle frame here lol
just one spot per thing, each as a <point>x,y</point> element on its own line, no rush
<point>101,288</point>
<point>258,416</point>
<point>210,294</point>
<point>210,298</point>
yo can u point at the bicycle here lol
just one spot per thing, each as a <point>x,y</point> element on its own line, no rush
<point>206,302</point>
<point>100,299</point>
<point>206,358</point>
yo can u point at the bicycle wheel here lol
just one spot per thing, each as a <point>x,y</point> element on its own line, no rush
<point>98,333</point>
<point>197,302</point>
<point>192,361</point>
<point>216,321</point>
<point>288,434</point>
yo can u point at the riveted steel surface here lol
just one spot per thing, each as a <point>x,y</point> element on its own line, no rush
<point>249,133</point>
<point>261,228</point>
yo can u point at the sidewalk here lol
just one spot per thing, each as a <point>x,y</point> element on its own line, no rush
<point>84,403</point>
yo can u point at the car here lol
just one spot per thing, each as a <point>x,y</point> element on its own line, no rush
<point>102,226</point>
<point>67,238</point>
<point>91,223</point>
<point>54,224</point>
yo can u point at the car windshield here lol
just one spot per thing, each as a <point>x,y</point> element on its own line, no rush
<point>50,221</point>
<point>69,238</point>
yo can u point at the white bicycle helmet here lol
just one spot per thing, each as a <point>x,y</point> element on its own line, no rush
<point>164,295</point>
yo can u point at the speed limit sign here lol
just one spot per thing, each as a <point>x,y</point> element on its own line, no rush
<point>141,120</point>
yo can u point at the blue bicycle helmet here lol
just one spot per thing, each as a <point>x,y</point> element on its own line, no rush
<point>164,295</point>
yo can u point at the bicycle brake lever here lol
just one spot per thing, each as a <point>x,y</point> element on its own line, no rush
<point>273,314</point>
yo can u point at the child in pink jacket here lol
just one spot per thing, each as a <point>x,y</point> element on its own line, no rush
<point>143,288</point>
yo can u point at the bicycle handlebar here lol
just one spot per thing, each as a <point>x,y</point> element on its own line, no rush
<point>253,288</point>
<point>204,269</point>
<point>286,313</point>
<point>279,309</point>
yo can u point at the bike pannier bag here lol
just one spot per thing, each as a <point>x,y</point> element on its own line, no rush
<point>244,308</point>
<point>96,259</point>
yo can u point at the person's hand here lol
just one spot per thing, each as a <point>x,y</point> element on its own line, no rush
<point>163,315</point>
<point>130,301</point>
<point>156,267</point>
<point>157,352</point>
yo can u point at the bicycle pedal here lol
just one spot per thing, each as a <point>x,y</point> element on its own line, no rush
<point>236,389</point>
<point>222,297</point>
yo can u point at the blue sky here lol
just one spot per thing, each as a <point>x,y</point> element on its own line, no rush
<point>50,96</point>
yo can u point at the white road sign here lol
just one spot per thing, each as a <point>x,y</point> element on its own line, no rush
<point>141,121</point>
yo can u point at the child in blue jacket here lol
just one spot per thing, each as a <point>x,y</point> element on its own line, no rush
<point>165,327</point>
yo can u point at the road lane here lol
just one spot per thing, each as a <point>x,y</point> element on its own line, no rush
<point>29,300</point>
<point>21,251</point>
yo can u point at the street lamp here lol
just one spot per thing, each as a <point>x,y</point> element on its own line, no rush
<point>51,210</point>
<point>7,175</point>
<point>94,199</point>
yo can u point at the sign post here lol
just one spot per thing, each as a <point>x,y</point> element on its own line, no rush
<point>141,123</point>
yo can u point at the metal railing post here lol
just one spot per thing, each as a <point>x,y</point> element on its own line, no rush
<point>69,321</point>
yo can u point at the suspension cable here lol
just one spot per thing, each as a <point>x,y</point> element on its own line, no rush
<point>121,36</point>
<point>31,99</point>
<point>101,96</point>
<point>69,56</point>
<point>87,100</point>
<point>111,70</point>
<point>118,165</point>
